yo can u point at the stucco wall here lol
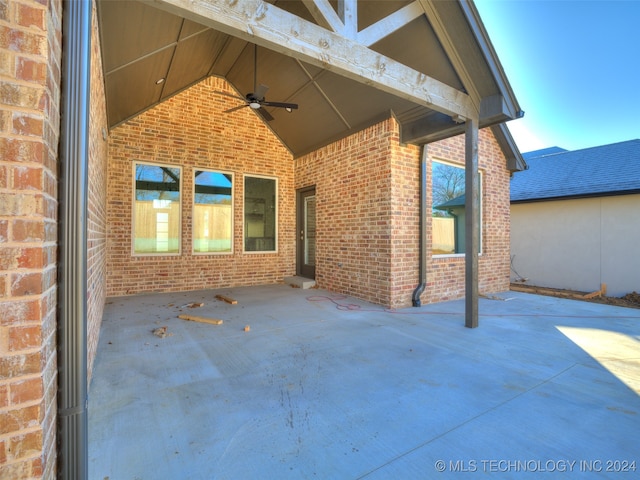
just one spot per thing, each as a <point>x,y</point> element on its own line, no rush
<point>578,244</point>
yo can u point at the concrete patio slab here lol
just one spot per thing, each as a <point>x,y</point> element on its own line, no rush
<point>329,387</point>
<point>300,282</point>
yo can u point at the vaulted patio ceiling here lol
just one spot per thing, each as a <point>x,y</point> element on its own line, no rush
<point>347,63</point>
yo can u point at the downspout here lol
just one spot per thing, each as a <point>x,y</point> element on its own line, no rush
<point>422,260</point>
<point>72,239</point>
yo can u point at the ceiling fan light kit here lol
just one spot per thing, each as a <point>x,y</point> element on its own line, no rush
<point>255,100</point>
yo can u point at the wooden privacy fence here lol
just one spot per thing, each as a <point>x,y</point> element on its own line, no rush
<point>158,227</point>
<point>443,239</point>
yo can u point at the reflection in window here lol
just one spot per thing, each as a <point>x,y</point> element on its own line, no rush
<point>310,230</point>
<point>156,227</point>
<point>448,213</point>
<point>260,214</point>
<point>212,212</point>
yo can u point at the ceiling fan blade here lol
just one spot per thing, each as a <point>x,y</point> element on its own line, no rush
<point>264,114</point>
<point>261,90</point>
<point>229,95</point>
<point>235,108</point>
<point>292,106</point>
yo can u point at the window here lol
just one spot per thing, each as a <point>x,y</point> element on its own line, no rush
<point>156,224</point>
<point>260,214</point>
<point>212,212</point>
<point>448,212</point>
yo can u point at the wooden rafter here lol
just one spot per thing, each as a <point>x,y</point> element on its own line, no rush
<point>266,25</point>
<point>348,13</point>
<point>386,26</point>
<point>448,44</point>
<point>323,13</point>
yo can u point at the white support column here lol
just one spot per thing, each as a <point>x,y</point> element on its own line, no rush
<point>472,231</point>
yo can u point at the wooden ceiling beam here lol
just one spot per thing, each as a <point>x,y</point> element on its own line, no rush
<point>323,13</point>
<point>348,13</point>
<point>271,27</point>
<point>448,44</point>
<point>385,27</point>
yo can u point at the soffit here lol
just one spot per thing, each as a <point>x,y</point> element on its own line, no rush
<point>142,44</point>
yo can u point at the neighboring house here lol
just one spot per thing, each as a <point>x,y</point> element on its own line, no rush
<point>575,219</point>
<point>137,113</point>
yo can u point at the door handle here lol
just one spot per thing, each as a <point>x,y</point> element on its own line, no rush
<point>301,234</point>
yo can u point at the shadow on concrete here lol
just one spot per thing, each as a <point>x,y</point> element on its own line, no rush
<point>328,387</point>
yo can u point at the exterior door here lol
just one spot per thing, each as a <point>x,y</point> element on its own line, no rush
<point>306,251</point>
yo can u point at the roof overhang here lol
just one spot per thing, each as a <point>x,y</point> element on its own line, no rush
<point>515,160</point>
<point>347,63</point>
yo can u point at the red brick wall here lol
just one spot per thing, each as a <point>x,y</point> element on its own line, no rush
<point>191,130</point>
<point>368,203</point>
<point>445,275</point>
<point>353,212</point>
<point>30,52</point>
<point>97,200</point>
<point>367,190</point>
<point>405,243</point>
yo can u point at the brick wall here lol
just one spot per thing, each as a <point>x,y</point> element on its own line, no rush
<point>191,130</point>
<point>97,200</point>
<point>367,191</point>
<point>30,52</point>
<point>368,203</point>
<point>445,275</point>
<point>405,244</point>
<point>353,212</point>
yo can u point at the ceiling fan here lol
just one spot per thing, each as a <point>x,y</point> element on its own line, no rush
<point>255,100</point>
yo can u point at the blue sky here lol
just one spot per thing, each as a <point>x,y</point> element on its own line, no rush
<point>574,66</point>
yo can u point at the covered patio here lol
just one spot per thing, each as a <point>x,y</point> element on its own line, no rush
<point>326,386</point>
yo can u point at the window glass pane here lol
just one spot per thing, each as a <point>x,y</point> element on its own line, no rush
<point>310,230</point>
<point>156,226</point>
<point>448,212</point>
<point>260,214</point>
<point>212,212</point>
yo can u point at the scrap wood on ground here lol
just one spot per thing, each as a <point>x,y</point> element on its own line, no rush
<point>161,332</point>
<point>630,300</point>
<point>229,300</point>
<point>194,318</point>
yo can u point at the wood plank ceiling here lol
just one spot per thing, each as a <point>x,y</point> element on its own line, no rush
<point>151,53</point>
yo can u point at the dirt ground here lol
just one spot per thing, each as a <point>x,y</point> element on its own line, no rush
<point>630,300</point>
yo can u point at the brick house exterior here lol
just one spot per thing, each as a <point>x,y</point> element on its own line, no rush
<point>30,64</point>
<point>182,132</point>
<point>367,188</point>
<point>30,53</point>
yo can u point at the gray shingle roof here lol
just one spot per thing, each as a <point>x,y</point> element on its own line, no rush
<point>459,201</point>
<point>542,152</point>
<point>598,171</point>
